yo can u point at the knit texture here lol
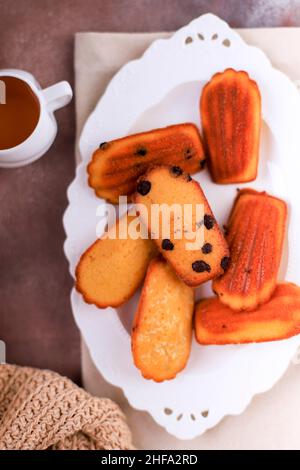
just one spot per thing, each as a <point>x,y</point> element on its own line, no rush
<point>40,410</point>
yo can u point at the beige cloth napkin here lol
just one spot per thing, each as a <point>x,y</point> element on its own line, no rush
<point>272,419</point>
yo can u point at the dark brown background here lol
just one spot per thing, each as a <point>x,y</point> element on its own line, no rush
<point>37,35</point>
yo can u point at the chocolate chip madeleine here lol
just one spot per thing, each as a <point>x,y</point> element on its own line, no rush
<point>230,108</point>
<point>162,329</point>
<point>279,318</point>
<point>192,242</point>
<point>255,234</point>
<point>116,165</point>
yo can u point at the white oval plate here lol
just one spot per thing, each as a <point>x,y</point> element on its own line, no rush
<point>161,88</point>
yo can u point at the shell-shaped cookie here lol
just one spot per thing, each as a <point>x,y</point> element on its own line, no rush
<point>255,234</point>
<point>230,110</point>
<point>215,323</point>
<point>116,165</point>
<point>162,328</point>
<point>192,242</point>
<point>111,269</point>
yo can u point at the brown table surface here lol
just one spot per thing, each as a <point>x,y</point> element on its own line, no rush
<point>38,35</point>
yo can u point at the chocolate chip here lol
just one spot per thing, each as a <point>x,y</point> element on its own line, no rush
<point>200,266</point>
<point>225,262</point>
<point>103,145</point>
<point>202,163</point>
<point>176,170</point>
<point>209,221</point>
<point>188,154</point>
<point>167,245</point>
<point>207,248</point>
<point>188,178</point>
<point>143,187</point>
<point>142,151</point>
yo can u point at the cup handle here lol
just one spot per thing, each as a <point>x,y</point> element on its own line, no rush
<point>58,95</point>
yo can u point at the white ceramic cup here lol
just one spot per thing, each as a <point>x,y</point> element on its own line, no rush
<point>37,144</point>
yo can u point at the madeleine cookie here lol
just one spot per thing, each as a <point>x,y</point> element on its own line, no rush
<point>162,328</point>
<point>179,198</point>
<point>230,110</point>
<point>111,270</point>
<point>215,323</point>
<point>116,165</point>
<point>255,234</point>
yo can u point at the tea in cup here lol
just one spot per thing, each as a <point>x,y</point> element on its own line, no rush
<point>27,123</point>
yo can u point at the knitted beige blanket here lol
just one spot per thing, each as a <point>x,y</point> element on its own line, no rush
<point>41,410</point>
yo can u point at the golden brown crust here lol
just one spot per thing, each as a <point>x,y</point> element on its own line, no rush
<point>255,233</point>
<point>111,270</point>
<point>215,323</point>
<point>116,165</point>
<point>162,327</point>
<point>209,257</point>
<point>230,108</point>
